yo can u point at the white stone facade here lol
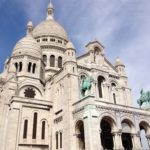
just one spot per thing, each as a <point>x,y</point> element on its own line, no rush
<point>45,103</point>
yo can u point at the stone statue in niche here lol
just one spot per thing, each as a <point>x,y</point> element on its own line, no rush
<point>85,86</point>
<point>96,55</point>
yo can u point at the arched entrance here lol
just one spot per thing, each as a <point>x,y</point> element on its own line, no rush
<point>143,132</point>
<point>80,135</point>
<point>126,135</point>
<point>106,134</point>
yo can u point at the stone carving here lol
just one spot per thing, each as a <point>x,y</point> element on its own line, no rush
<point>85,86</point>
<point>144,98</point>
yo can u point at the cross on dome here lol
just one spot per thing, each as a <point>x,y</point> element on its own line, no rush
<point>50,11</point>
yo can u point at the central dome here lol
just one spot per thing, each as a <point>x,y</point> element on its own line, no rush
<point>50,28</point>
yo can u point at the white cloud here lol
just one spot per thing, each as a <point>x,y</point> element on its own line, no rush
<point>121,25</point>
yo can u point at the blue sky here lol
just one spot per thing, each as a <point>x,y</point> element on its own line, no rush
<point>122,26</point>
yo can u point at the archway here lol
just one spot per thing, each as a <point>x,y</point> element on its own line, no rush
<point>126,135</point>
<point>101,79</point>
<point>80,135</point>
<point>106,134</point>
<point>143,132</point>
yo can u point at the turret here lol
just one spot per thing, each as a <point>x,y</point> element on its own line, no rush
<point>26,62</point>
<point>120,67</point>
<point>70,64</point>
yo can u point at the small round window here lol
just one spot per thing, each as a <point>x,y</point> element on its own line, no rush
<point>29,93</point>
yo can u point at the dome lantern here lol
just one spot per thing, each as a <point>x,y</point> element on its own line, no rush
<point>29,27</point>
<point>50,12</point>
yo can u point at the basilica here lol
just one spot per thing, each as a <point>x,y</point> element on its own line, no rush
<point>52,100</point>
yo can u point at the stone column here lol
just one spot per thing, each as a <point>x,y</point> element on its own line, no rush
<point>148,139</point>
<point>104,91</point>
<point>96,90</point>
<point>91,129</point>
<point>117,141</point>
<point>136,141</point>
<point>101,147</point>
<point>48,61</point>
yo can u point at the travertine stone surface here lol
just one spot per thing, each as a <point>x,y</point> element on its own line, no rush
<point>44,77</point>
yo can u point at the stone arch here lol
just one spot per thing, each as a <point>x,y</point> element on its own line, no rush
<point>107,127</point>
<point>83,73</point>
<point>145,125</point>
<point>114,91</point>
<point>80,137</point>
<point>44,120</point>
<point>114,81</point>
<point>36,87</point>
<point>128,128</point>
<point>111,119</point>
<point>144,133</point>
<point>129,121</point>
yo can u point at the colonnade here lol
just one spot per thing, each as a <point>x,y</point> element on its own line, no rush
<point>126,138</point>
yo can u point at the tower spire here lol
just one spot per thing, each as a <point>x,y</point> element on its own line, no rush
<point>50,11</point>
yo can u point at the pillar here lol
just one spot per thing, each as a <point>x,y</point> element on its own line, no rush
<point>91,129</point>
<point>148,139</point>
<point>136,141</point>
<point>117,141</point>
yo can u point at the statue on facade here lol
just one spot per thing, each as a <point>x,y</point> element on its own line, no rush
<point>86,85</point>
<point>144,98</point>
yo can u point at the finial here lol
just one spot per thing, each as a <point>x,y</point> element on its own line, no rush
<point>70,45</point>
<point>50,11</point>
<point>29,27</point>
<point>118,62</point>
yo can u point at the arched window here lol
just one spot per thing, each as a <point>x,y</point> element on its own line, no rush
<point>56,140</point>
<point>29,67</point>
<point>52,61</point>
<point>59,62</point>
<point>33,68</point>
<point>34,126</point>
<point>45,59</point>
<point>60,139</point>
<point>100,81</point>
<point>96,52</point>
<point>114,97</point>
<point>20,66</point>
<point>25,129</point>
<point>113,88</point>
<point>16,65</point>
<point>43,130</point>
<point>80,134</point>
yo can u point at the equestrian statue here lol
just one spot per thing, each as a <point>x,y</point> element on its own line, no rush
<point>144,98</point>
<point>86,85</point>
